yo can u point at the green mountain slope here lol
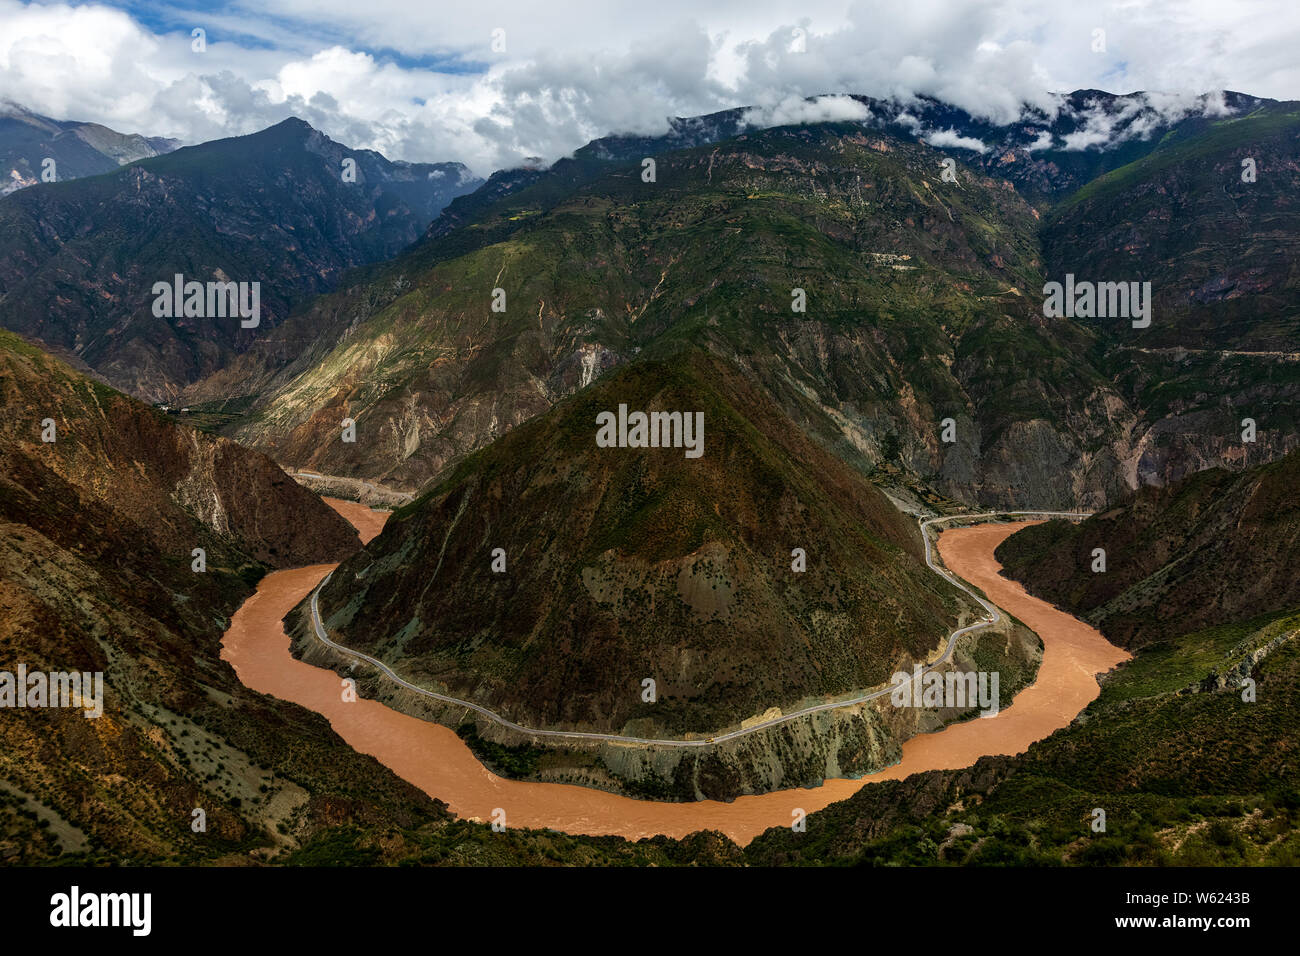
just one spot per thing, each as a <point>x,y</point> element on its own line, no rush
<point>79,259</point>
<point>1187,773</point>
<point>1219,254</point>
<point>1216,548</point>
<point>919,307</point>
<point>1190,748</point>
<point>629,563</point>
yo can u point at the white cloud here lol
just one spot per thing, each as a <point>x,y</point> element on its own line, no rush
<point>951,139</point>
<point>1138,117</point>
<point>910,121</point>
<point>795,110</point>
<point>1043,141</point>
<point>419,81</point>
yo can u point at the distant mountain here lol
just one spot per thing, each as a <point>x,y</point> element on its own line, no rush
<point>27,140</point>
<point>926,298</point>
<point>1205,219</point>
<point>921,305</point>
<point>1044,156</point>
<point>1216,548</point>
<point>1211,220</point>
<point>286,208</point>
<point>1048,156</point>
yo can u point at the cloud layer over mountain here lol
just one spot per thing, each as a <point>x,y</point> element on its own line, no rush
<point>490,87</point>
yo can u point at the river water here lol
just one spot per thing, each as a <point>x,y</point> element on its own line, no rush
<point>434,759</point>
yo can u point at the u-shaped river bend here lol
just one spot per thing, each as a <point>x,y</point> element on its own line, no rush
<point>437,761</point>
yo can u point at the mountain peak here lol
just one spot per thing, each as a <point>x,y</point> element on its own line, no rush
<point>294,122</point>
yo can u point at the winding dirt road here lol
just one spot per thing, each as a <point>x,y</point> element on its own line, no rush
<point>434,759</point>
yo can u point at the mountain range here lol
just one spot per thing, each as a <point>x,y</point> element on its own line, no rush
<point>590,259</point>
<point>924,302</point>
<point>857,309</point>
<point>286,209</point>
<point>35,148</point>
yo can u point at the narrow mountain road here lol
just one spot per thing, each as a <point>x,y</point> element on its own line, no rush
<point>432,758</point>
<point>707,741</point>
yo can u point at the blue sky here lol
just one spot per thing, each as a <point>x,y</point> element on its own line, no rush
<point>255,28</point>
<point>424,80</point>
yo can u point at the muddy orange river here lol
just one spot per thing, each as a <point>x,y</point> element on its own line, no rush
<point>437,761</point>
